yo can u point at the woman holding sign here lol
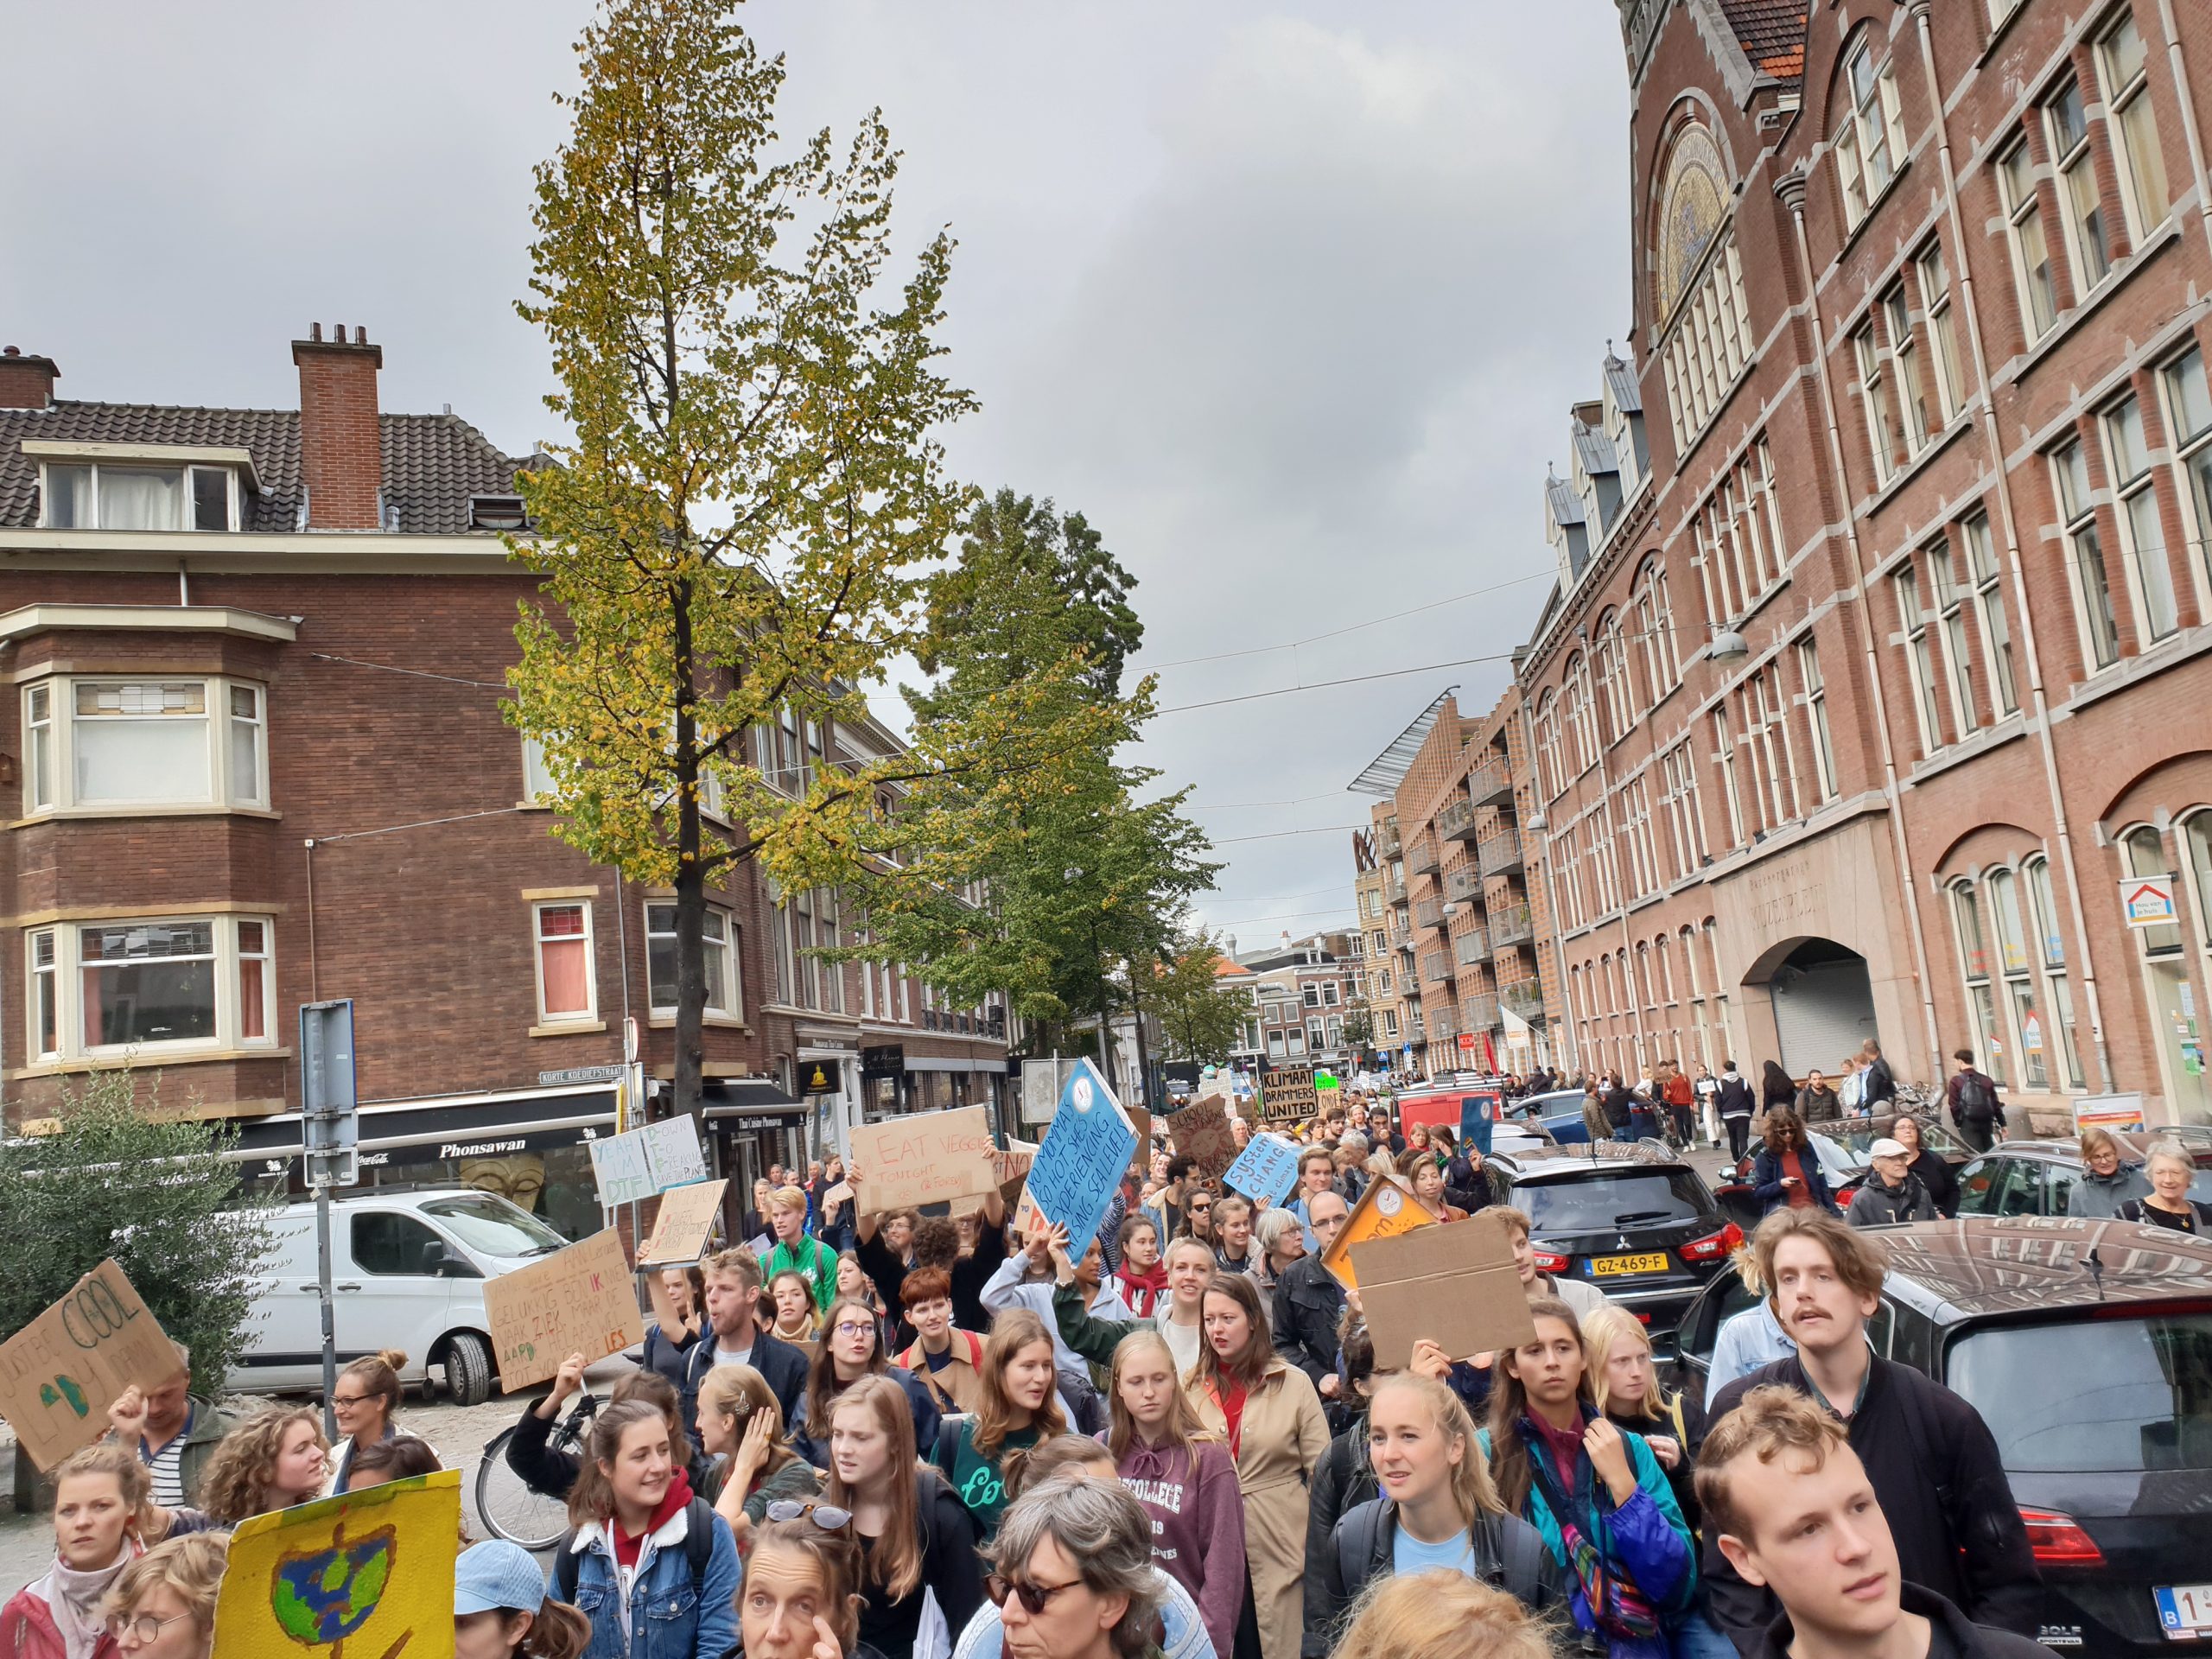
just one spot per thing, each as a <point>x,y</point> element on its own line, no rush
<point>1269,1415</point>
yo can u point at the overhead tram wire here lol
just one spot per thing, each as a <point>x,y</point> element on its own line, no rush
<point>1355,627</point>
<point>1324,685</point>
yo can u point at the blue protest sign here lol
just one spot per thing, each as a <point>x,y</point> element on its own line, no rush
<point>1086,1148</point>
<point>1267,1168</point>
<point>1477,1114</point>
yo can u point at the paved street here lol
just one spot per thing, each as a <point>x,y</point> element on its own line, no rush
<point>459,1434</point>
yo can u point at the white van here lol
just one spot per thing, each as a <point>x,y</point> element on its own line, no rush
<point>407,1271</point>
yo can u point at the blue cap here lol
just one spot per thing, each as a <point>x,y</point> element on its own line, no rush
<point>496,1576</point>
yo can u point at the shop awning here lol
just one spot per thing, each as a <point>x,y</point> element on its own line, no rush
<point>474,1126</point>
<point>729,1096</point>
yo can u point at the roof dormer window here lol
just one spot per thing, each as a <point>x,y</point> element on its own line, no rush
<point>135,496</point>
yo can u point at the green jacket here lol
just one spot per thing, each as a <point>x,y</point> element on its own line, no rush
<point>1093,1338</point>
<point>210,1423</point>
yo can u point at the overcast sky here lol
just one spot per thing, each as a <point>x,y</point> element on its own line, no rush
<point>1290,299</point>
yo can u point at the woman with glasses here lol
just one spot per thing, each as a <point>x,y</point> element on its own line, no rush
<point>742,1428</point>
<point>1020,1406</point>
<point>801,1598</point>
<point>852,1348</point>
<point>1074,1457</point>
<point>914,1533</point>
<point>272,1462</point>
<point>1072,1574</point>
<point>1185,1478</point>
<point>162,1606</point>
<point>366,1395</point>
<point>1268,1413</point>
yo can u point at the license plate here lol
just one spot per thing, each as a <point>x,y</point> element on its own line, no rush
<point>1654,1262</point>
<point>2185,1610</point>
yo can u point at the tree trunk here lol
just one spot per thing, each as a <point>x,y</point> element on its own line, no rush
<point>690,876</point>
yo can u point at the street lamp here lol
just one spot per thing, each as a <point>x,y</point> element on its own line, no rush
<point>1727,646</point>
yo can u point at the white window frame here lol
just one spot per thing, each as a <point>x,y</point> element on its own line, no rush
<point>2135,498</point>
<point>1724,751</point>
<point>1987,575</point>
<point>63,972</point>
<point>187,499</point>
<point>588,1016</point>
<point>1874,395</point>
<point>2081,200</point>
<point>2023,209</point>
<point>1814,689</point>
<point>2137,154</point>
<point>1950,612</point>
<point>1912,620</point>
<point>50,767</point>
<point>1904,356</point>
<point>1931,277</point>
<point>2077,510</point>
<point>1871,148</point>
<point>732,977</point>
<point>2192,459</point>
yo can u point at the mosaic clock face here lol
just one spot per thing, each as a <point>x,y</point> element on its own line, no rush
<point>1692,204</point>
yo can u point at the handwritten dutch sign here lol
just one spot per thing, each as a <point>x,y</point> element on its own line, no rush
<point>1289,1096</point>
<point>371,1571</point>
<point>1267,1168</point>
<point>580,1301</point>
<point>927,1158</point>
<point>1084,1153</point>
<point>673,1152</point>
<point>61,1372</point>
<point>687,1217</point>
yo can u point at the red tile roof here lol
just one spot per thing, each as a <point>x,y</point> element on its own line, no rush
<point>1772,33</point>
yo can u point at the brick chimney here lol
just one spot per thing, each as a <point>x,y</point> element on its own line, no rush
<point>26,382</point>
<point>342,451</point>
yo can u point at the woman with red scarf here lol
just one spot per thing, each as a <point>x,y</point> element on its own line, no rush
<point>1143,1276</point>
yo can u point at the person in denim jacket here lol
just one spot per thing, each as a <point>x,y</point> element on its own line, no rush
<point>652,1565</point>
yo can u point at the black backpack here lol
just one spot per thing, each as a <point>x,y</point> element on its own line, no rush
<point>698,1550</point>
<point>1975,1099</point>
<point>1517,1568</point>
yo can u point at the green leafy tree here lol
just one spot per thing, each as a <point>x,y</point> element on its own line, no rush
<point>120,1180</point>
<point>1201,1014</point>
<point>739,526</point>
<point>1359,1025</point>
<point>1092,875</point>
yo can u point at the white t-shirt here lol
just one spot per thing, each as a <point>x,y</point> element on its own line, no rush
<point>732,1356</point>
<point>1183,1341</point>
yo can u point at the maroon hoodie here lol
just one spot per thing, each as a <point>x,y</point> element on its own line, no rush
<point>1197,1526</point>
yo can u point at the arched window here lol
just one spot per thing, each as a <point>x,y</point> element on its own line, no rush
<point>2168,989</point>
<point>2146,850</point>
<point>1981,995</point>
<point>1654,622</point>
<point>1868,123</point>
<point>2047,947</point>
<point>1615,698</point>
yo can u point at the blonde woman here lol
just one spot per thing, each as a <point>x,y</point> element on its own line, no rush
<point>742,1425</point>
<point>103,1514</point>
<point>1436,1508</point>
<point>1184,1477</point>
<point>1625,1386</point>
<point>163,1605</point>
<point>1267,1412</point>
<point>1441,1615</point>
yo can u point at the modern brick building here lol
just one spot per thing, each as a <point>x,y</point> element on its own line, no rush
<point>1871,694</point>
<point>1463,969</point>
<point>260,760</point>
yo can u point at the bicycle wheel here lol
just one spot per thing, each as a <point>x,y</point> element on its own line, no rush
<point>509,1509</point>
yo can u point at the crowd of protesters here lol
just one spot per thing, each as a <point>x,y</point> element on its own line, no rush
<point>886,1435</point>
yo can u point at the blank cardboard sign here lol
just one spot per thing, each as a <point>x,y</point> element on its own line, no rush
<point>1453,1284</point>
<point>687,1215</point>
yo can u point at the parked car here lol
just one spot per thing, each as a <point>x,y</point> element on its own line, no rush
<point>407,1271</point>
<point>2087,1347</point>
<point>1558,1110</point>
<point>2035,1178</point>
<point>1633,1218</point>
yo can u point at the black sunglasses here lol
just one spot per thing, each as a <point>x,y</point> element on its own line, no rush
<point>827,1517</point>
<point>1035,1597</point>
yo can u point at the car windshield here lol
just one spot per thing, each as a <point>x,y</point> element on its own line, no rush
<point>1611,1199</point>
<point>2108,1396</point>
<point>488,1223</point>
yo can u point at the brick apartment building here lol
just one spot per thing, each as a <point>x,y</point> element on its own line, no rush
<point>1872,686</point>
<point>259,657</point>
<point>1451,892</point>
<point>1299,991</point>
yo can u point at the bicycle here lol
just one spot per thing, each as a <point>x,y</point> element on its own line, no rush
<point>512,1508</point>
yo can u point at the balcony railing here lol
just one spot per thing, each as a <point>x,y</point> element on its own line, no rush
<point>1386,839</point>
<point>1464,881</point>
<point>1421,857</point>
<point>1410,988</point>
<point>1436,966</point>
<point>1511,925</point>
<point>1429,913</point>
<point>1472,947</point>
<point>1478,1012</point>
<point>1500,853</point>
<point>1455,819</point>
<point>1394,889</point>
<point>1415,1033</point>
<point>1524,998</point>
<point>1490,784</point>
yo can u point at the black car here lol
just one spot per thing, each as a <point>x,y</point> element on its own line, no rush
<point>2037,1177</point>
<point>1630,1217</point>
<point>2087,1347</point>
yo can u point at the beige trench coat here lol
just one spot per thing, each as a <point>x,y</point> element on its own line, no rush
<point>1283,1436</point>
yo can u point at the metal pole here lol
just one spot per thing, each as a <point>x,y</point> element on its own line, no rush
<point>322,1284</point>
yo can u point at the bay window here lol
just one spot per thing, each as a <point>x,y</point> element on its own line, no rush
<point>153,743</point>
<point>161,985</point>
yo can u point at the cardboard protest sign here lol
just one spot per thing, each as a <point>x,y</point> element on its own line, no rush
<point>580,1301</point>
<point>687,1217</point>
<point>673,1153</point>
<point>1385,1210</point>
<point>623,1169</point>
<point>1202,1133</point>
<point>1326,1095</point>
<point>1085,1152</point>
<point>61,1372</point>
<point>1477,1118</point>
<point>371,1572</point>
<point>927,1158</point>
<point>1267,1168</point>
<point>1454,1286</point>
<point>1287,1096</point>
<point>1020,1154</point>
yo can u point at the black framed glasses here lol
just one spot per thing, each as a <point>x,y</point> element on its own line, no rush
<point>828,1516</point>
<point>1034,1598</point>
